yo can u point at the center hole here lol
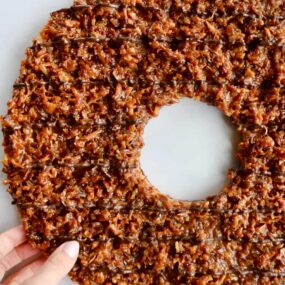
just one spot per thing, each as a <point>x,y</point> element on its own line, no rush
<point>188,150</point>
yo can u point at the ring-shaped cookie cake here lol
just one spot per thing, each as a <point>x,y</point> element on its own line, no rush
<point>93,78</point>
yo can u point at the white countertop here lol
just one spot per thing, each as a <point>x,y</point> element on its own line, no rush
<point>188,147</point>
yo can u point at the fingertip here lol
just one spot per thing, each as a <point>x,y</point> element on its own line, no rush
<point>57,265</point>
<point>71,248</point>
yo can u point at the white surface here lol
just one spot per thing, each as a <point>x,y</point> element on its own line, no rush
<point>188,148</point>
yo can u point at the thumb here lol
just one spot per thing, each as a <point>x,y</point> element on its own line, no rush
<point>57,265</point>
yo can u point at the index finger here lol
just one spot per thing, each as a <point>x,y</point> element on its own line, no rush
<point>11,239</point>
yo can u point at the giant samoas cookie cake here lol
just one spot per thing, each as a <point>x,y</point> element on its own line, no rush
<point>91,81</point>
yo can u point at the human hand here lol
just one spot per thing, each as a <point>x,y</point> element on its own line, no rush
<point>14,250</point>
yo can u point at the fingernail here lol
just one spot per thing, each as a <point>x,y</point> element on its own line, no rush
<point>71,248</point>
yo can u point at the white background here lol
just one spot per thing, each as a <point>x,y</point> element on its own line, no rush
<point>188,147</point>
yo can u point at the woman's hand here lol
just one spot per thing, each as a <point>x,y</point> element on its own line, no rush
<point>14,250</point>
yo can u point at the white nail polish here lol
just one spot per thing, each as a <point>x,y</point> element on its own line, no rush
<point>71,248</point>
